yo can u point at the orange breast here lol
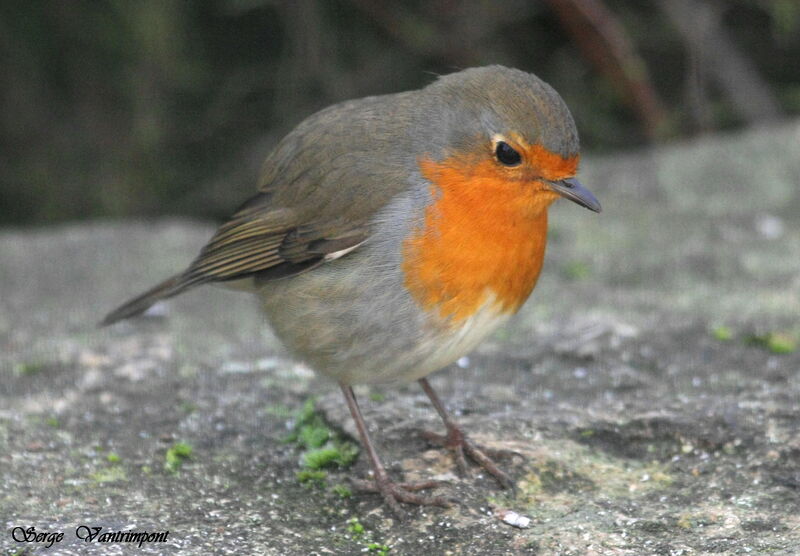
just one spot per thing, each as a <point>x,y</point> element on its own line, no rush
<point>483,235</point>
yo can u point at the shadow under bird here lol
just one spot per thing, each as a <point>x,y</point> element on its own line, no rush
<point>390,234</point>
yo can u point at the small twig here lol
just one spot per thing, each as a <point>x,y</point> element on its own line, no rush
<point>604,42</point>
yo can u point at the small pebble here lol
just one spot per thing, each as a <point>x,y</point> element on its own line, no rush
<point>512,518</point>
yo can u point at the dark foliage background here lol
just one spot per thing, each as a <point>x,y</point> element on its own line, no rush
<point>120,108</point>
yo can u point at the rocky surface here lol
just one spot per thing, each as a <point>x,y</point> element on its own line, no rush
<point>650,388</point>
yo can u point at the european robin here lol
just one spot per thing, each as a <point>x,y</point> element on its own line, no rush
<point>390,234</point>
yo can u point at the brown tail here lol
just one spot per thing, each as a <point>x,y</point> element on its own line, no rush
<point>138,305</point>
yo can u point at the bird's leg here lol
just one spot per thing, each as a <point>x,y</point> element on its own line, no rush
<point>392,492</point>
<point>456,441</point>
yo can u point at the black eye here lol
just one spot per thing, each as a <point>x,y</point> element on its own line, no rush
<point>506,155</point>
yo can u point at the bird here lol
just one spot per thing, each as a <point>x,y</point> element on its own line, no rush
<point>390,234</point>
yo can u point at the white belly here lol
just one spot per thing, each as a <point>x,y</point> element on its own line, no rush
<point>445,348</point>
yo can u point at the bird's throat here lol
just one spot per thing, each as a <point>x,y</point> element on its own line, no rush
<point>483,237</point>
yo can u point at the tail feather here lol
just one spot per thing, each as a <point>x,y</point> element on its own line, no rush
<point>138,305</point>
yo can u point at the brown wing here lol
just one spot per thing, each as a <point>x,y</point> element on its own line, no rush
<point>319,191</point>
<point>264,242</point>
<point>259,242</point>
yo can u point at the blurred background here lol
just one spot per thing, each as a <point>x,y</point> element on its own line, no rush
<point>117,108</point>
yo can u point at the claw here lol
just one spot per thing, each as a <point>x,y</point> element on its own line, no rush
<point>479,457</point>
<point>460,445</point>
<point>393,493</point>
<point>371,486</point>
<point>455,447</point>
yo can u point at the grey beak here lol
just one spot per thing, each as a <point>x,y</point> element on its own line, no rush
<point>572,189</point>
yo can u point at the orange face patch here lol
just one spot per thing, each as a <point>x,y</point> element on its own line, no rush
<point>484,233</point>
<point>549,165</point>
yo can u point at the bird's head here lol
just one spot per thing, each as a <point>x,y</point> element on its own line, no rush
<point>501,129</point>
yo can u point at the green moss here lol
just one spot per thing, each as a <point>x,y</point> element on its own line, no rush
<point>113,457</point>
<point>176,455</point>
<point>305,418</point>
<point>376,397</point>
<point>722,333</point>
<point>340,454</point>
<point>112,474</point>
<point>308,414</point>
<point>322,447</point>
<point>52,422</point>
<point>777,342</point>
<point>355,528</point>
<point>342,490</point>
<point>312,476</point>
<point>380,549</point>
<point>28,369</point>
<point>359,533</point>
<point>312,436</point>
<point>321,457</point>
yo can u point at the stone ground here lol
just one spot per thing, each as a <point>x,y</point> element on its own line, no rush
<point>642,386</point>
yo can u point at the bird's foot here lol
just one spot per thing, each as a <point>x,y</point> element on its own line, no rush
<point>393,493</point>
<point>462,447</point>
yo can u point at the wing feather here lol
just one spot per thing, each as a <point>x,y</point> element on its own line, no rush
<point>315,203</point>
